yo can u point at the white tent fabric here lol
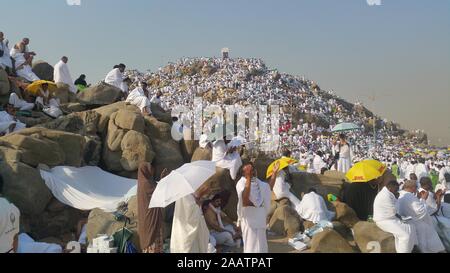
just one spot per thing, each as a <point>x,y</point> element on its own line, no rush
<point>89,187</point>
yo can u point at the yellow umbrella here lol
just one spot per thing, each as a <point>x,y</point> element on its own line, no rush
<point>284,162</point>
<point>376,164</point>
<point>36,85</point>
<point>362,172</point>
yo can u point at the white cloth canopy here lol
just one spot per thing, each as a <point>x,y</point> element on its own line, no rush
<point>61,74</point>
<point>89,187</point>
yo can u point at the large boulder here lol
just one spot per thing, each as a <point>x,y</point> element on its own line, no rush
<point>33,150</point>
<point>105,114</point>
<point>101,94</point>
<point>371,238</point>
<point>5,87</point>
<point>160,114</point>
<point>222,182</point>
<point>345,214</point>
<point>201,154</point>
<point>188,148</point>
<point>72,145</point>
<point>62,92</point>
<point>129,120</point>
<point>302,182</point>
<point>100,222</point>
<point>24,187</point>
<point>43,70</point>
<point>136,148</point>
<point>167,150</point>
<point>83,123</point>
<point>284,220</point>
<point>329,241</point>
<point>114,135</point>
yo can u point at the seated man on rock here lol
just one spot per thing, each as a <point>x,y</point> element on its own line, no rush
<point>45,98</point>
<point>8,121</point>
<point>411,205</point>
<point>220,225</point>
<point>386,218</point>
<point>23,60</point>
<point>313,208</point>
<point>139,98</point>
<point>19,103</point>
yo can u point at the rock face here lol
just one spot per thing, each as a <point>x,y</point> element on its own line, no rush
<point>222,181</point>
<point>5,87</point>
<point>101,94</point>
<point>345,214</point>
<point>167,150</point>
<point>329,241</point>
<point>371,239</point>
<point>100,222</point>
<point>283,219</point>
<point>201,154</point>
<point>43,70</point>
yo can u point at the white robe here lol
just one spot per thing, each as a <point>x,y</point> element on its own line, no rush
<point>384,215</point>
<point>5,60</point>
<point>410,205</point>
<point>61,74</point>
<point>19,103</point>
<point>190,234</point>
<point>421,171</point>
<point>442,173</point>
<point>137,97</point>
<point>282,189</point>
<point>226,161</point>
<point>25,72</point>
<point>313,208</point>
<point>253,220</point>
<point>345,161</point>
<point>318,164</point>
<point>115,78</point>
<point>7,120</point>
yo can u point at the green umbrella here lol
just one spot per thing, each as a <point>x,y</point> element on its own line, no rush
<point>344,127</point>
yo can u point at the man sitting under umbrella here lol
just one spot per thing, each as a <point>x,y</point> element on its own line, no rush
<point>220,225</point>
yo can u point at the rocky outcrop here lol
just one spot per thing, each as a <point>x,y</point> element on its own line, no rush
<point>329,241</point>
<point>284,220</point>
<point>101,94</point>
<point>43,70</point>
<point>371,239</point>
<point>345,214</point>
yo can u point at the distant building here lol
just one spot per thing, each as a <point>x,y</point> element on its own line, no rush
<point>225,53</point>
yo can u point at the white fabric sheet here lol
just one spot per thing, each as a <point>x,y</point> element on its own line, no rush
<point>89,187</point>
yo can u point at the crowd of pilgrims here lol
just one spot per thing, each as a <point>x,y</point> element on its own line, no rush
<point>405,201</point>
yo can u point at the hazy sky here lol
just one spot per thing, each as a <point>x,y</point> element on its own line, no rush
<point>399,51</point>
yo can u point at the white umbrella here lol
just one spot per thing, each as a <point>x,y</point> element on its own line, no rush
<point>182,182</point>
